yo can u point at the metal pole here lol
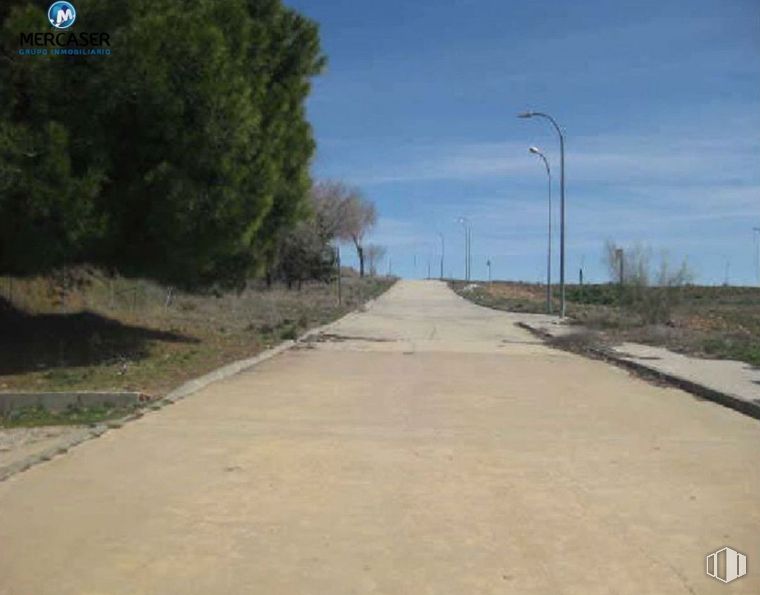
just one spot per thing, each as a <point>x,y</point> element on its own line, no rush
<point>469,253</point>
<point>562,204</point>
<point>466,246</point>
<point>562,222</point>
<point>756,231</point>
<point>469,259</point>
<point>466,255</point>
<point>535,151</point>
<point>340,288</point>
<point>621,260</point>
<point>443,249</point>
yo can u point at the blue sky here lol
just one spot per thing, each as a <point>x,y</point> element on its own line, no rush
<point>660,103</point>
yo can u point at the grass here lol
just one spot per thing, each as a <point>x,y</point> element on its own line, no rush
<point>705,321</point>
<point>122,334</point>
<point>38,416</point>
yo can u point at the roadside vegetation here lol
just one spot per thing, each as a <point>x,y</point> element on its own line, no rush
<point>655,305</point>
<point>107,333</point>
<point>31,417</point>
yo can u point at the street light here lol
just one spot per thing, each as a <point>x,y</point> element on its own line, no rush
<point>562,203</point>
<point>756,233</point>
<point>535,151</point>
<point>467,234</point>
<point>443,250</point>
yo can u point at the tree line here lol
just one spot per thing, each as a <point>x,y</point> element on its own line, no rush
<point>183,156</point>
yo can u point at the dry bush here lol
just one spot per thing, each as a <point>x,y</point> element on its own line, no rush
<point>649,291</point>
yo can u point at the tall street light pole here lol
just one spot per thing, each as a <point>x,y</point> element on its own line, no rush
<point>756,233</point>
<point>443,251</point>
<point>535,151</point>
<point>562,203</point>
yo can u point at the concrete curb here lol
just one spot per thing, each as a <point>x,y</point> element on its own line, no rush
<point>722,398</point>
<point>181,392</point>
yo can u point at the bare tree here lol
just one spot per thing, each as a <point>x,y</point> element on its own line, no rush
<point>329,201</point>
<point>359,216</point>
<point>650,290</point>
<point>636,263</point>
<point>375,255</point>
<point>342,212</point>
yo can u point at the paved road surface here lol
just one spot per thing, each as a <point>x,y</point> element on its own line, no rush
<point>428,446</point>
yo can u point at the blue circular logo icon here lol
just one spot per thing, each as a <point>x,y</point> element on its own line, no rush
<point>62,14</point>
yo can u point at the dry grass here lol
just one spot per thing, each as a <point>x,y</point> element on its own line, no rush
<point>102,333</point>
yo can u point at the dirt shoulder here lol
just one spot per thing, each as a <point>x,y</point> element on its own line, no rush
<point>134,335</point>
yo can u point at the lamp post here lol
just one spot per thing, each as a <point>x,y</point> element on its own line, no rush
<point>535,151</point>
<point>562,203</point>
<point>756,234</point>
<point>443,250</point>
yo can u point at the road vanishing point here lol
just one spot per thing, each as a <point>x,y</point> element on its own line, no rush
<point>423,446</point>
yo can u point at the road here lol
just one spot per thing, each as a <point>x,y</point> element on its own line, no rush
<point>424,446</point>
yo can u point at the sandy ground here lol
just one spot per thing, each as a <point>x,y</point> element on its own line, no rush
<point>424,446</point>
<point>17,444</point>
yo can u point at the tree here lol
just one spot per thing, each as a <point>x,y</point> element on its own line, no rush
<point>304,255</point>
<point>375,255</point>
<point>182,156</point>
<point>359,216</point>
<point>345,214</point>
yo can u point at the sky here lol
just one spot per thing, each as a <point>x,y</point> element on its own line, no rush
<point>659,103</point>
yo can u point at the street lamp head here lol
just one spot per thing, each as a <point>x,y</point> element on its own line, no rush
<point>534,150</point>
<point>526,115</point>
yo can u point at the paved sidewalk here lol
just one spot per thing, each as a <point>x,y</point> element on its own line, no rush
<point>737,382</point>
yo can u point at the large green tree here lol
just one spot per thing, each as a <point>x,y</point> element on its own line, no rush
<point>181,156</point>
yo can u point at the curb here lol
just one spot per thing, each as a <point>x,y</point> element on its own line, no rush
<point>181,392</point>
<point>748,408</point>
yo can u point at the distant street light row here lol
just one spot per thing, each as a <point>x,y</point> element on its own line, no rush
<point>468,228</point>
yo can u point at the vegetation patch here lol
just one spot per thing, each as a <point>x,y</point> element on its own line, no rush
<point>720,322</point>
<point>112,333</point>
<point>39,416</point>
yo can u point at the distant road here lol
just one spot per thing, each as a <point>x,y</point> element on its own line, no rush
<point>424,446</point>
